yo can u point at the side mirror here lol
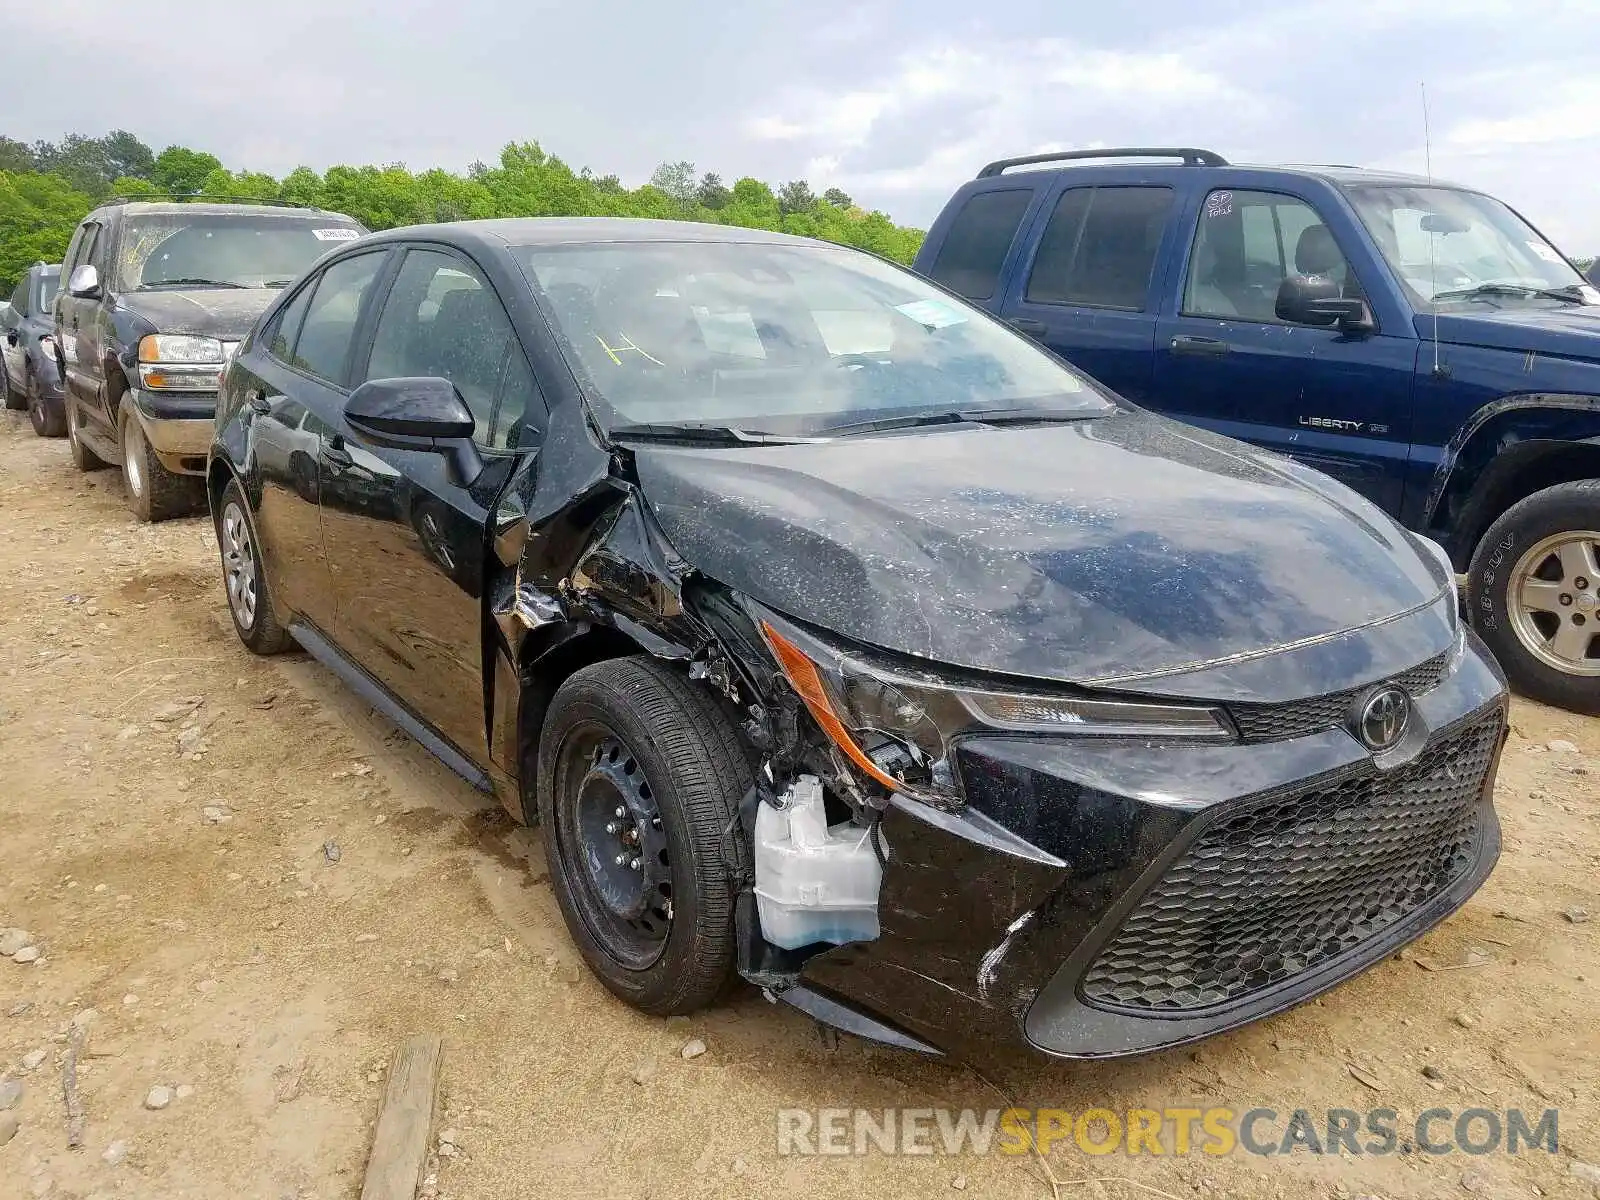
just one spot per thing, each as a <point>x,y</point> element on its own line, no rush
<point>84,283</point>
<point>1316,300</point>
<point>417,414</point>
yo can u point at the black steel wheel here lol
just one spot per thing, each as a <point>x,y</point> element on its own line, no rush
<point>639,775</point>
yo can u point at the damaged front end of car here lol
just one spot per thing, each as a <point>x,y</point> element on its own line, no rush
<point>954,861</point>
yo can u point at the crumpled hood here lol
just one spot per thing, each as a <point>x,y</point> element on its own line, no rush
<point>225,313</point>
<point>1096,551</point>
<point>1570,331</point>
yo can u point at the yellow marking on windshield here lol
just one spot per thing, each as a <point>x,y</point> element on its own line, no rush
<point>627,344</point>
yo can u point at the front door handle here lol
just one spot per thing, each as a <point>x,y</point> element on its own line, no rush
<point>256,398</point>
<point>1207,347</point>
<point>1028,326</point>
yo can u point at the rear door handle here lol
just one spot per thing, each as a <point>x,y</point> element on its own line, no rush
<point>1209,347</point>
<point>256,398</point>
<point>1028,326</point>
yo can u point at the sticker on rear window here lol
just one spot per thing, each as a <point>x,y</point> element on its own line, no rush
<point>1219,204</point>
<point>335,235</point>
<point>1544,252</point>
<point>932,314</point>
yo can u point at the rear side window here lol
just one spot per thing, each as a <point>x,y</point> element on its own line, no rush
<point>323,347</point>
<point>287,327</point>
<point>1100,246</point>
<point>975,248</point>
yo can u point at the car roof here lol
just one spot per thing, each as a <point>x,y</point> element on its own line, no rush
<point>553,231</point>
<point>1340,175</point>
<point>162,208</point>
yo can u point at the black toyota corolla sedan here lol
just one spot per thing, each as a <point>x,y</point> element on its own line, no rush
<point>842,639</point>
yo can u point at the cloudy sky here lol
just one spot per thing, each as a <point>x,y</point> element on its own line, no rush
<point>893,101</point>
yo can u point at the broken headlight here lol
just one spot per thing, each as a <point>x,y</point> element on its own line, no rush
<point>898,725</point>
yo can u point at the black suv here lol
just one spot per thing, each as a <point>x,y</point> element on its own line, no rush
<point>839,636</point>
<point>31,374</point>
<point>157,296</point>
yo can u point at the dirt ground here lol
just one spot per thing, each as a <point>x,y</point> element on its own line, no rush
<point>237,962</point>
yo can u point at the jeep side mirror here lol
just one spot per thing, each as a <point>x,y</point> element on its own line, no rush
<point>1316,300</point>
<point>423,413</point>
<point>84,283</point>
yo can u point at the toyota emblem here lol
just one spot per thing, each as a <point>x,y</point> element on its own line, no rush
<point>1383,717</point>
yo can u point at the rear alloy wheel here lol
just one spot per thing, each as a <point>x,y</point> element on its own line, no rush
<point>47,422</point>
<point>154,493</point>
<point>1534,590</point>
<point>242,576</point>
<point>83,458</point>
<point>639,775</point>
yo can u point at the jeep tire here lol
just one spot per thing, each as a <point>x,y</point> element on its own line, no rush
<point>154,493</point>
<point>1533,591</point>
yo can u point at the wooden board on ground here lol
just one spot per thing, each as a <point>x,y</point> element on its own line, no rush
<point>400,1145</point>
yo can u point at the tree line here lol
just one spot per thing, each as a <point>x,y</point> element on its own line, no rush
<point>46,188</point>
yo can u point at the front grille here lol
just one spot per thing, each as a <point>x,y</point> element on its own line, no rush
<point>1289,884</point>
<point>1279,722</point>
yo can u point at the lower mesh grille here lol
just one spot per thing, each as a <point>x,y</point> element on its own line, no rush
<point>1278,722</point>
<point>1285,886</point>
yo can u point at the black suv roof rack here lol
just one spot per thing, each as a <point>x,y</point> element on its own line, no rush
<point>1191,156</point>
<point>204,198</point>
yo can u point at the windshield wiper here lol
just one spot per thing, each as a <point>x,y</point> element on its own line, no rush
<point>705,435</point>
<point>958,416</point>
<point>1570,292</point>
<point>164,283</point>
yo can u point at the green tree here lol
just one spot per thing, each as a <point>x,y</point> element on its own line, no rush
<point>837,198</point>
<point>126,157</point>
<point>677,180</point>
<point>795,197</point>
<point>712,194</point>
<point>182,171</point>
<point>15,155</point>
<point>38,212</point>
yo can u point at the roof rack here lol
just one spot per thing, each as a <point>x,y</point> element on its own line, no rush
<point>1191,156</point>
<point>134,198</point>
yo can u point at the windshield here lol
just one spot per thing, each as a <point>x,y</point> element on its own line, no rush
<point>1443,241</point>
<point>224,249</point>
<point>47,292</point>
<point>783,338</point>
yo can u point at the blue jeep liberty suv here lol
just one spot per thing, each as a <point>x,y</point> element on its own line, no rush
<point>1419,341</point>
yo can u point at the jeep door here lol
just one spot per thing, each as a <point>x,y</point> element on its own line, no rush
<point>407,535</point>
<point>1089,288</point>
<point>1335,400</point>
<point>78,319</point>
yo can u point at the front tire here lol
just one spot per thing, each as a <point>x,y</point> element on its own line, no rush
<point>249,601</point>
<point>154,493</point>
<point>1534,593</point>
<point>639,776</point>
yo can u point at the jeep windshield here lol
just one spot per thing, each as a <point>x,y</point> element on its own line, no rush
<point>1454,247</point>
<point>784,338</point>
<point>238,250</point>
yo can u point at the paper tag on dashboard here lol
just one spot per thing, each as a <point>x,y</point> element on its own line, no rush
<point>335,235</point>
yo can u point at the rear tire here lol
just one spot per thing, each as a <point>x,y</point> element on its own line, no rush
<point>47,422</point>
<point>154,493</point>
<point>244,577</point>
<point>83,458</point>
<point>1533,590</point>
<point>15,400</point>
<point>634,734</point>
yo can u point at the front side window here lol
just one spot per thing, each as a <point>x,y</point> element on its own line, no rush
<point>234,250</point>
<point>1454,247</point>
<point>323,347</point>
<point>1099,248</point>
<point>783,338</point>
<point>1247,243</point>
<point>975,248</point>
<point>442,319</point>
